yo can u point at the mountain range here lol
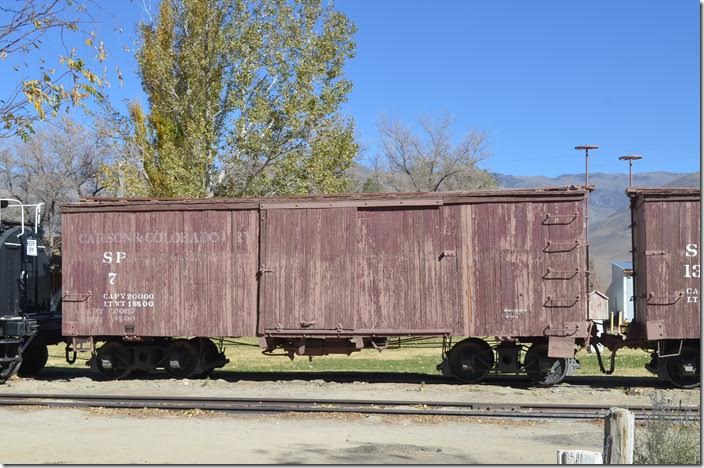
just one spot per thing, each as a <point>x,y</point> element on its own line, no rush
<point>609,215</point>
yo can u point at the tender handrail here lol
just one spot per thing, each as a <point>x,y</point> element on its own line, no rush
<point>37,214</point>
<point>16,203</point>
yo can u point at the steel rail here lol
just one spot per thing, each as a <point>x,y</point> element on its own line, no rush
<point>280,405</point>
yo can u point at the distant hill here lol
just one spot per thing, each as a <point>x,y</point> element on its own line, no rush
<point>688,180</point>
<point>610,188</point>
<point>609,231</point>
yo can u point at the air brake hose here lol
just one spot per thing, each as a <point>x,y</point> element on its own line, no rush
<point>601,363</point>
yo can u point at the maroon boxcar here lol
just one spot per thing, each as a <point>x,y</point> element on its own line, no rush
<point>666,264</point>
<point>330,274</point>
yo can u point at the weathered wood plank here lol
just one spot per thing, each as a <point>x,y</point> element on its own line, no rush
<point>619,434</point>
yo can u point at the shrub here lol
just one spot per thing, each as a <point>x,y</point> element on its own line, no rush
<point>666,440</point>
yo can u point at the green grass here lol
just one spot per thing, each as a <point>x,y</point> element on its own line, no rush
<point>629,362</point>
<point>247,357</point>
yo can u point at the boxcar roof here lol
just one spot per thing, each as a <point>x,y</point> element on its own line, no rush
<point>322,201</point>
<point>665,193</point>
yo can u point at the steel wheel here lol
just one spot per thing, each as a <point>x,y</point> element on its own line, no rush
<point>470,360</point>
<point>33,360</point>
<point>209,353</point>
<point>683,370</point>
<point>113,361</point>
<point>543,370</point>
<point>182,359</point>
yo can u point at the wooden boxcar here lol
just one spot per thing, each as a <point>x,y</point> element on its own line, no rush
<point>330,274</point>
<point>666,264</point>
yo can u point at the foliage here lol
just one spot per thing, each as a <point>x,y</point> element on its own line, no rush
<point>319,168</point>
<point>26,26</point>
<point>287,86</point>
<point>244,99</point>
<point>171,151</point>
<point>430,161</point>
<point>665,441</point>
<point>55,165</point>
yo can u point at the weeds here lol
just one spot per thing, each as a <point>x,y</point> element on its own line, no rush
<point>666,441</point>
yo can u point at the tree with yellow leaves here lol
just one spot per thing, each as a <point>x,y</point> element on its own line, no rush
<point>244,99</point>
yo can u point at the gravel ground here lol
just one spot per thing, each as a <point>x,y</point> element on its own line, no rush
<point>86,436</point>
<point>616,391</point>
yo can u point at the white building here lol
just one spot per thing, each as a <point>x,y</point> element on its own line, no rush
<point>621,292</point>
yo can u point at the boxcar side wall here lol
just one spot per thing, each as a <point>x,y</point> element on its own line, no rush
<point>160,273</point>
<point>666,226</point>
<point>502,263</point>
<point>387,270</point>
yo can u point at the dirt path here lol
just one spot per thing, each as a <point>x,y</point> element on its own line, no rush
<point>121,436</point>
<point>36,435</point>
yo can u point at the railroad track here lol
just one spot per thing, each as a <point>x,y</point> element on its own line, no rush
<point>389,407</point>
<point>591,381</point>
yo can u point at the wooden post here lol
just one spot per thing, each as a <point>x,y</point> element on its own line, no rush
<point>578,457</point>
<point>619,430</point>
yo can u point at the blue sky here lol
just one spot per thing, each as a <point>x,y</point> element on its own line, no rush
<point>538,76</point>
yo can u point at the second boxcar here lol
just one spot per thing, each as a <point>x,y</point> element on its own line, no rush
<point>666,228</point>
<point>503,270</point>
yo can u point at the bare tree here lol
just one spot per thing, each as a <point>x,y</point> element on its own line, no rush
<point>45,85</point>
<point>430,161</point>
<point>56,165</point>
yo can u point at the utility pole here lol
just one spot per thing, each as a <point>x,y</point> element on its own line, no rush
<point>630,158</point>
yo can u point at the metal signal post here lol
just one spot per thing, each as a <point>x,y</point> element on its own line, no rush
<point>630,158</point>
<point>586,149</point>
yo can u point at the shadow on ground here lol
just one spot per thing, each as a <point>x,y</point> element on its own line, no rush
<point>376,453</point>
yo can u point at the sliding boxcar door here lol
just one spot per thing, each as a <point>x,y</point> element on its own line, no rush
<point>401,268</point>
<point>307,268</point>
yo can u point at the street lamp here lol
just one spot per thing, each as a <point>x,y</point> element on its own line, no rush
<point>630,158</point>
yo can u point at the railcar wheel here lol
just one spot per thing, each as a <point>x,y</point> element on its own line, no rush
<point>33,360</point>
<point>182,359</point>
<point>209,352</point>
<point>8,369</point>
<point>543,370</point>
<point>113,361</point>
<point>683,370</point>
<point>470,360</point>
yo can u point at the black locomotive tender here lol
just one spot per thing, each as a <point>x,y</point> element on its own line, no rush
<point>148,284</point>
